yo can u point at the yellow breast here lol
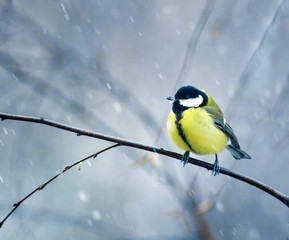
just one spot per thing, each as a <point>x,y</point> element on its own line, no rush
<point>196,132</point>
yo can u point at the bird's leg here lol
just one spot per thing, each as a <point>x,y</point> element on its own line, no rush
<point>185,158</point>
<point>216,168</point>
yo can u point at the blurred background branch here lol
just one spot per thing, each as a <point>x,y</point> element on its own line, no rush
<point>253,63</point>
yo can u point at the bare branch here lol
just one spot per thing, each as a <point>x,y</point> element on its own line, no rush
<point>16,205</point>
<point>282,197</point>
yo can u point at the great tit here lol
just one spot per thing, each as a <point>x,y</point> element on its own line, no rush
<point>196,124</point>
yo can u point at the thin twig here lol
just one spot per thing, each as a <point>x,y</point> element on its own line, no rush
<point>193,42</point>
<point>282,197</point>
<point>16,205</point>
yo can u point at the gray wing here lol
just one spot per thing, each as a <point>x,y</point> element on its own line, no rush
<point>225,127</point>
<point>235,148</point>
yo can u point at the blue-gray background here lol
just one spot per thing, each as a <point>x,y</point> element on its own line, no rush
<point>108,66</point>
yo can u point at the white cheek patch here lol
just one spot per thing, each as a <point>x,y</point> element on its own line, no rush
<point>192,102</point>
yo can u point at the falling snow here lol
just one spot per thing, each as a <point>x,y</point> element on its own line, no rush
<point>108,85</point>
<point>5,131</point>
<point>82,197</point>
<point>65,12</point>
<point>68,119</point>
<point>89,163</point>
<point>96,215</point>
<point>117,107</point>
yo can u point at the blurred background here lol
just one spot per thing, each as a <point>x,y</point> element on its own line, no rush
<point>108,66</point>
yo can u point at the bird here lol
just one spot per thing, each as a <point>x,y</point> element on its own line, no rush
<point>196,124</point>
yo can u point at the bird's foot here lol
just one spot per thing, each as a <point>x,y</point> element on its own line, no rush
<point>185,158</point>
<point>216,167</point>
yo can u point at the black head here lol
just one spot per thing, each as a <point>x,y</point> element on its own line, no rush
<point>188,97</point>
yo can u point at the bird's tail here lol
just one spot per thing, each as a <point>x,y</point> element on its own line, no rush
<point>238,153</point>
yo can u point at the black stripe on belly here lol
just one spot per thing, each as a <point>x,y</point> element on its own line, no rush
<point>181,131</point>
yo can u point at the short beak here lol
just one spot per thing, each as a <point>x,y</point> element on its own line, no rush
<point>171,99</point>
